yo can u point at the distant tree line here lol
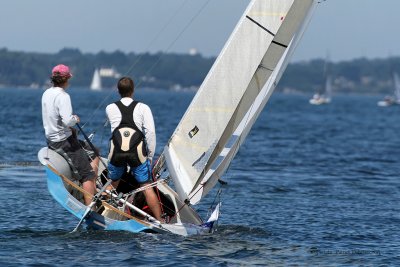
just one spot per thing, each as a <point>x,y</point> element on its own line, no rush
<point>168,70</point>
<point>356,76</point>
<point>154,70</point>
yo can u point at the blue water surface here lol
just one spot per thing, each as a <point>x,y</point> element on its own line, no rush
<point>311,186</point>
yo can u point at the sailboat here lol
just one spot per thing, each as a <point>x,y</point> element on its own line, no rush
<point>96,81</point>
<point>395,99</point>
<point>326,96</point>
<point>207,138</point>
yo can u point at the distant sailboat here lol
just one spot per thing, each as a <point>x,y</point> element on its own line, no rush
<point>96,81</point>
<point>395,99</point>
<point>325,97</point>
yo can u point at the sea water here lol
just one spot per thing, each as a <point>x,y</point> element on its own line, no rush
<point>311,185</point>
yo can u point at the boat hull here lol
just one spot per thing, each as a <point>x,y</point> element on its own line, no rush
<point>64,191</point>
<point>385,103</point>
<point>319,101</point>
<point>58,191</point>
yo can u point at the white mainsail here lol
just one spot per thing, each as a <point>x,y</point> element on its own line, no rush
<point>395,99</point>
<point>324,96</point>
<point>328,88</point>
<point>96,81</point>
<point>396,82</point>
<point>327,94</point>
<point>233,94</point>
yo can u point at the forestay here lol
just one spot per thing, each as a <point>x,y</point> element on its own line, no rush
<point>233,94</point>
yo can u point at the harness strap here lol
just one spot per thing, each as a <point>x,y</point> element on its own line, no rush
<point>127,114</point>
<point>126,146</point>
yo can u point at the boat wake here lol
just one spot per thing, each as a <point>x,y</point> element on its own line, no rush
<point>6,164</point>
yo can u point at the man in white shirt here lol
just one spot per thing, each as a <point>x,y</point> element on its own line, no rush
<point>133,141</point>
<point>58,121</point>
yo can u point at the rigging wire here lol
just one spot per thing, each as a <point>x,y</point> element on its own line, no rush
<point>217,195</point>
<point>149,45</point>
<point>156,36</point>
<point>135,63</point>
<point>178,36</point>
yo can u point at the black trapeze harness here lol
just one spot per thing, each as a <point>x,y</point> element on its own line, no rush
<point>127,144</point>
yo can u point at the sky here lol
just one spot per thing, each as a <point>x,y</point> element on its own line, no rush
<point>342,29</point>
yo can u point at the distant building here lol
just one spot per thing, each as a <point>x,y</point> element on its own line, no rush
<point>109,72</point>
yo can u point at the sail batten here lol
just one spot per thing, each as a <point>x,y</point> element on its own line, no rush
<point>225,100</point>
<point>261,26</point>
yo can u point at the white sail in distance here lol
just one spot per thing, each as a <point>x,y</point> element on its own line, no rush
<point>396,82</point>
<point>328,88</point>
<point>96,81</point>
<point>211,126</point>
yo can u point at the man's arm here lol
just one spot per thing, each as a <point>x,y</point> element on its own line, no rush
<point>149,131</point>
<point>65,111</point>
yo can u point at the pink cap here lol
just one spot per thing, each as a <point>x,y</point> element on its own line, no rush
<point>61,70</point>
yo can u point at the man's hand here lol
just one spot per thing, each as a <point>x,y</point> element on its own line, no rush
<point>78,120</point>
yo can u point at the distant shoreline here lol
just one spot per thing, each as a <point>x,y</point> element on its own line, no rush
<point>184,72</point>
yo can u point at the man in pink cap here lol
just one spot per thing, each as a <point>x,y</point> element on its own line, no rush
<point>58,121</point>
<point>61,71</point>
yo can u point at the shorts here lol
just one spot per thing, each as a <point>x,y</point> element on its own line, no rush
<point>80,154</point>
<point>141,172</point>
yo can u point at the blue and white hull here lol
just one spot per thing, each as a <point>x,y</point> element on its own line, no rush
<point>66,192</point>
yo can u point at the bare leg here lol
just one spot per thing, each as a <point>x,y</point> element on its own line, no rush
<point>90,187</point>
<point>95,165</point>
<point>154,204</point>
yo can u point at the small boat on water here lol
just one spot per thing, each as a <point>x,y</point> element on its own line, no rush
<point>395,99</point>
<point>326,96</point>
<point>208,136</point>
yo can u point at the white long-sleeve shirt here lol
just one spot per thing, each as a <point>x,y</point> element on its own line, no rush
<point>57,114</point>
<point>142,117</point>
